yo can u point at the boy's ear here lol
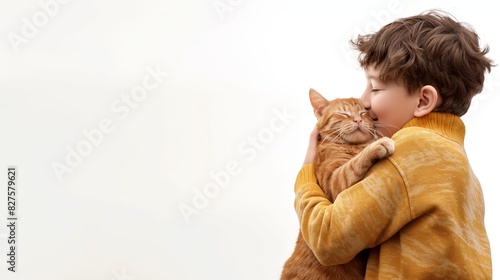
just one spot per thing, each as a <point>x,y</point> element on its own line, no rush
<point>318,102</point>
<point>428,100</point>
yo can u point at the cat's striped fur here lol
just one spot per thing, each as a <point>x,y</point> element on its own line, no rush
<point>348,146</point>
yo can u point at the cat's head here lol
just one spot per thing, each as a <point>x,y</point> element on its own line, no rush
<point>342,120</point>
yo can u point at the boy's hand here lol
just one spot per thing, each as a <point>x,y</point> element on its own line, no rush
<point>313,143</point>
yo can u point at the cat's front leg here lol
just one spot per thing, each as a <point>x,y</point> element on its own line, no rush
<point>355,169</point>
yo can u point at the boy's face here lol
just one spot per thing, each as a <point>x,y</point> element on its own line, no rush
<point>389,103</point>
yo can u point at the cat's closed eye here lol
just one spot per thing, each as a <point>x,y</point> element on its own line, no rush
<point>345,114</point>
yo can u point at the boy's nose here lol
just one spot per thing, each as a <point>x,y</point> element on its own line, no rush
<point>365,100</point>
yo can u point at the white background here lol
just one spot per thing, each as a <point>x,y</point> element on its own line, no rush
<point>233,71</point>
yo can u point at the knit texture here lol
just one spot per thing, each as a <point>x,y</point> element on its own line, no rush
<point>421,210</point>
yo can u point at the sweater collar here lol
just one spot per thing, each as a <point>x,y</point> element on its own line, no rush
<point>445,124</point>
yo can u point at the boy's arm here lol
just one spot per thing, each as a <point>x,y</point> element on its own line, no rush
<point>361,217</point>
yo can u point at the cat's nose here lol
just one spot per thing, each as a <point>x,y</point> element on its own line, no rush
<point>357,120</point>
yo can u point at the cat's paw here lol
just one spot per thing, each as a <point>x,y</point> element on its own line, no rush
<point>383,147</point>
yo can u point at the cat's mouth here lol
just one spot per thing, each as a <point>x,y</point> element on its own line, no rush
<point>360,134</point>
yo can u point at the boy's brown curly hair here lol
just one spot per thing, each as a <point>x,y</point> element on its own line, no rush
<point>431,48</point>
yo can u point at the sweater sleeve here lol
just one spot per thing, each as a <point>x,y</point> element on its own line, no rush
<point>361,217</point>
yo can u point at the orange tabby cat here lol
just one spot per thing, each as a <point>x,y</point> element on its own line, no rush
<point>349,145</point>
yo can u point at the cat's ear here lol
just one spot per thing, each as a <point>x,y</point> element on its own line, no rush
<point>318,102</point>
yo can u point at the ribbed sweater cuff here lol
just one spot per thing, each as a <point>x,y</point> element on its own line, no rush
<point>306,176</point>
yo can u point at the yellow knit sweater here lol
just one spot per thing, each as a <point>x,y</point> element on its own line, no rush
<point>421,210</point>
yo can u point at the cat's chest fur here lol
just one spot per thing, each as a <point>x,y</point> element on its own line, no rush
<point>330,157</point>
<point>334,154</point>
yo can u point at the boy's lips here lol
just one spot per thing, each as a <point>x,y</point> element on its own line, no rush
<point>372,115</point>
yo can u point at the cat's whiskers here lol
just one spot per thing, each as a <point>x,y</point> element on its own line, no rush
<point>328,137</point>
<point>373,132</point>
<point>340,134</point>
<point>334,132</point>
<point>384,125</point>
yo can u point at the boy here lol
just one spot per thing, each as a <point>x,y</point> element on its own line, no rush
<point>421,211</point>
